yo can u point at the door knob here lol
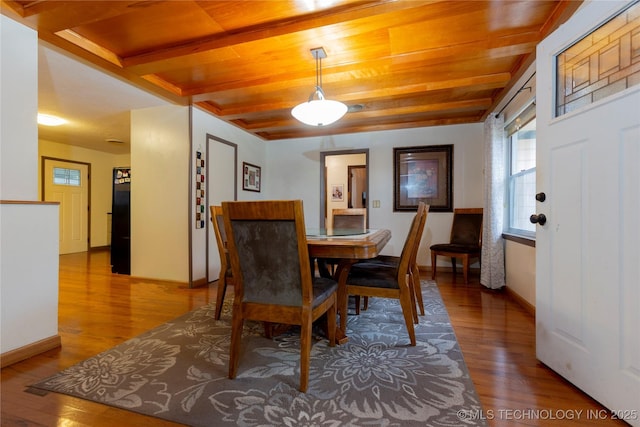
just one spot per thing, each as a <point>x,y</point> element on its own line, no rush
<point>538,218</point>
<point>541,197</point>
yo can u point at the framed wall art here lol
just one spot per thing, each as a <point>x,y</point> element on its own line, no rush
<point>337,192</point>
<point>251,177</point>
<point>423,174</point>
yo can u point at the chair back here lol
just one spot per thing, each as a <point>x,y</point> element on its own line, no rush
<point>467,227</point>
<point>423,211</point>
<point>409,248</point>
<point>353,218</point>
<point>217,220</point>
<point>268,251</point>
<point>225,276</point>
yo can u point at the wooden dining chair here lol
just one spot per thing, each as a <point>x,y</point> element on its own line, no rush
<point>351,218</point>
<point>465,241</point>
<point>348,219</point>
<point>388,281</point>
<point>226,276</point>
<point>394,261</point>
<point>272,275</point>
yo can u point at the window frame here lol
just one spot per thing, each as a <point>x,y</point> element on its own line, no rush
<point>527,114</point>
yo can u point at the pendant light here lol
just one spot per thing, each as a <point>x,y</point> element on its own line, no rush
<point>320,111</point>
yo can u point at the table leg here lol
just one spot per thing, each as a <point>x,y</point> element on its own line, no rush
<point>341,275</point>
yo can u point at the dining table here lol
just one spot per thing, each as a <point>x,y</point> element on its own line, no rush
<point>348,246</point>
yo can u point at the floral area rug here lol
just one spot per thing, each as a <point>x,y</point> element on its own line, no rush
<point>178,372</point>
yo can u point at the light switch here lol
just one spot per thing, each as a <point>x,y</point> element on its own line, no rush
<point>376,203</point>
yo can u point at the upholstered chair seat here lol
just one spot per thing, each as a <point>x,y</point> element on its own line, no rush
<point>453,247</point>
<point>375,275</point>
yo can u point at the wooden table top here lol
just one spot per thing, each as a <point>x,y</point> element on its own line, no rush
<point>360,246</point>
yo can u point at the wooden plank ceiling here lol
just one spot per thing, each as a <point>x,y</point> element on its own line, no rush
<point>396,64</point>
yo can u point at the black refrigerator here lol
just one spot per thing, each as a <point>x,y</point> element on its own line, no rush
<point>121,221</point>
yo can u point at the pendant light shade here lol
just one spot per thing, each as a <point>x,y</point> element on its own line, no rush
<point>318,111</point>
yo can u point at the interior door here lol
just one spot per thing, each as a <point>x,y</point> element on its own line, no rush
<point>587,252</point>
<point>357,186</point>
<point>68,184</point>
<point>221,186</point>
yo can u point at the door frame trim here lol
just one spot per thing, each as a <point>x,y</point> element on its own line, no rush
<point>43,182</point>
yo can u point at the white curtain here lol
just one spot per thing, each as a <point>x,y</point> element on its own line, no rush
<point>492,264</point>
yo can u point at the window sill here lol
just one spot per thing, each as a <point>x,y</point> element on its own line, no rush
<point>528,241</point>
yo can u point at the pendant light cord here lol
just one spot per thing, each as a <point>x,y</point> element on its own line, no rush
<point>318,70</point>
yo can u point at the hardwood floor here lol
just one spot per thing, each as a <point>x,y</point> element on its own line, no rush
<point>99,310</point>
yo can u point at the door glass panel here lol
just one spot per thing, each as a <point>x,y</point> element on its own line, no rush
<point>64,176</point>
<point>601,64</point>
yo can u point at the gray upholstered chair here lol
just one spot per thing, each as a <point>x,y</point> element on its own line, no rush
<point>226,276</point>
<point>394,261</point>
<point>272,275</point>
<point>465,241</point>
<point>387,280</point>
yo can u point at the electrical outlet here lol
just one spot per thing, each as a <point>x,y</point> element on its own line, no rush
<point>376,203</point>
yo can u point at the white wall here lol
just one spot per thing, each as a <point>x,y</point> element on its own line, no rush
<point>250,149</point>
<point>520,270</point>
<point>160,193</point>
<point>28,274</point>
<point>19,107</point>
<point>28,230</point>
<point>293,167</point>
<point>102,165</point>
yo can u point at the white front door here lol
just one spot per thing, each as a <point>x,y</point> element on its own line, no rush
<point>68,184</point>
<point>588,252</point>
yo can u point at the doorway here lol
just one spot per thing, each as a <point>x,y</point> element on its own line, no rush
<point>337,189</point>
<point>67,183</point>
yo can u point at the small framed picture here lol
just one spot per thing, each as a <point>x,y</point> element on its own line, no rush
<point>251,177</point>
<point>337,193</point>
